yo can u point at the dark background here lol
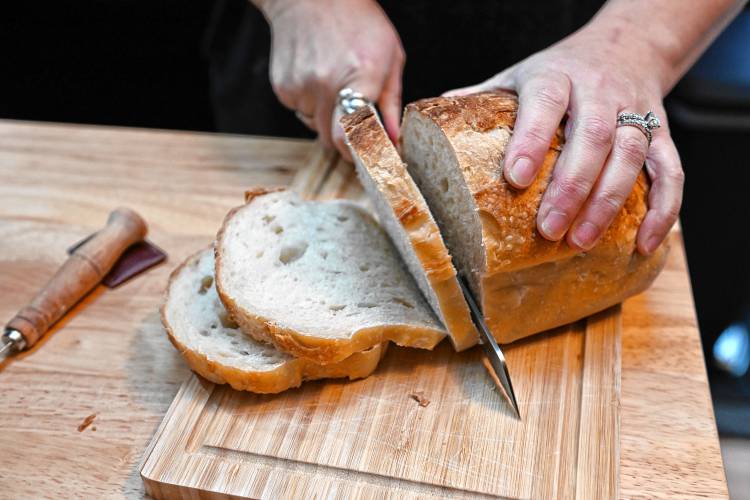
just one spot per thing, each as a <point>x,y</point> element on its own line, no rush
<point>114,62</point>
<point>152,64</point>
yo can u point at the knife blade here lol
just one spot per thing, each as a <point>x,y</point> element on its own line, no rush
<point>496,364</point>
<point>348,103</point>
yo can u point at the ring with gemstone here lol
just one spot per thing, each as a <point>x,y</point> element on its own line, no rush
<point>350,101</point>
<point>646,123</point>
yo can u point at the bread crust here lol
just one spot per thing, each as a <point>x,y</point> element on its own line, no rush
<point>319,350</point>
<point>368,141</point>
<point>288,375</point>
<point>478,128</point>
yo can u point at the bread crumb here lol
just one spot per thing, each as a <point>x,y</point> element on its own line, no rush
<point>86,422</point>
<point>93,429</point>
<point>418,396</point>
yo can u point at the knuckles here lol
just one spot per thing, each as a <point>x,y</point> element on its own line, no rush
<point>609,202</point>
<point>633,150</point>
<point>676,175</point>
<point>552,97</point>
<point>535,141</point>
<point>597,132</point>
<point>567,191</point>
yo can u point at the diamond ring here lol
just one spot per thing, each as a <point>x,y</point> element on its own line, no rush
<point>646,123</point>
<point>350,101</point>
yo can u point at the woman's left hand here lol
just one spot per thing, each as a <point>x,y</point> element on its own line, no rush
<point>592,76</point>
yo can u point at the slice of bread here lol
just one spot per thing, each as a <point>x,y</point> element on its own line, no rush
<point>404,215</point>
<point>320,280</point>
<point>215,348</point>
<point>454,149</point>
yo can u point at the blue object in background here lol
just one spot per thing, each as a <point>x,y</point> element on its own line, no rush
<point>732,350</point>
<point>721,77</point>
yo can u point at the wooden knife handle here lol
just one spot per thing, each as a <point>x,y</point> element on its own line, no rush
<point>83,270</point>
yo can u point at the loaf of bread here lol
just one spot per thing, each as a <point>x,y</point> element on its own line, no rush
<point>404,215</point>
<point>215,348</point>
<point>453,147</point>
<point>317,289</point>
<point>319,280</point>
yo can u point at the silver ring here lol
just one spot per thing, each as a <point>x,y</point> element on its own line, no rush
<point>646,123</point>
<point>350,101</point>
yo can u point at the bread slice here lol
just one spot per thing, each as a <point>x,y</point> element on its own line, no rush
<point>404,215</point>
<point>454,149</point>
<point>320,280</point>
<point>215,348</point>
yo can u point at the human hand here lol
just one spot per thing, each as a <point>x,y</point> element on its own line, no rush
<point>319,47</point>
<point>591,77</point>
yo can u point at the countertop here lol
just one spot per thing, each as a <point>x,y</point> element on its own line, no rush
<point>106,358</point>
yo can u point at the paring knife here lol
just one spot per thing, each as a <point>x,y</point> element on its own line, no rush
<point>88,264</point>
<point>496,364</point>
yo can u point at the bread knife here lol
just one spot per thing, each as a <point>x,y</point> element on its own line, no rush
<point>87,265</point>
<point>495,360</point>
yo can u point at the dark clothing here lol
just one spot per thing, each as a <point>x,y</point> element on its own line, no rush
<point>448,44</point>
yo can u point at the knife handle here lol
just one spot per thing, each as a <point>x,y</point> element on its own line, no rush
<point>83,270</point>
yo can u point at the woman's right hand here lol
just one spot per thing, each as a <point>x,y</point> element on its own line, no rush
<point>319,47</point>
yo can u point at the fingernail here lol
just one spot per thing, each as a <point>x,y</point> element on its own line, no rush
<point>554,225</point>
<point>585,235</point>
<point>522,171</point>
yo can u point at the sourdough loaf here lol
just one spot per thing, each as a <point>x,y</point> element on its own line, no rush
<point>454,148</point>
<point>215,348</point>
<point>319,280</point>
<point>404,214</point>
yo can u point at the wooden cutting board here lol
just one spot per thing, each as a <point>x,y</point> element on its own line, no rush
<point>372,438</point>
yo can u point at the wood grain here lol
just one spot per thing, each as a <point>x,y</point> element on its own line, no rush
<point>109,356</point>
<point>371,438</point>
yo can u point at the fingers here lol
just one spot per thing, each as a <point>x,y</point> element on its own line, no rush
<point>323,112</point>
<point>337,134</point>
<point>665,198</point>
<point>385,91</point>
<point>370,89</point>
<point>542,104</point>
<point>390,100</point>
<point>578,167</point>
<point>611,189</point>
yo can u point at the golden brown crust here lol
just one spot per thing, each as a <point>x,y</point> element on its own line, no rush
<point>520,303</point>
<point>288,375</point>
<point>319,350</point>
<point>369,142</point>
<point>478,128</point>
<point>256,191</point>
